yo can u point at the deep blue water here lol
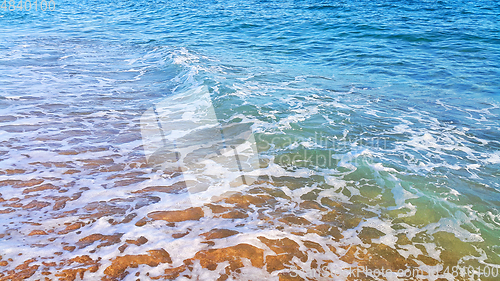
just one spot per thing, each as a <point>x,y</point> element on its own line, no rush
<point>392,106</point>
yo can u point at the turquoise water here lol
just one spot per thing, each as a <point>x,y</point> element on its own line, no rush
<point>389,108</point>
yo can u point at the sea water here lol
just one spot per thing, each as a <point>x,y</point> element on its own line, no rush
<point>250,140</point>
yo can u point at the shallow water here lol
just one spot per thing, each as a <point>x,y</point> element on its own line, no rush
<point>250,140</point>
